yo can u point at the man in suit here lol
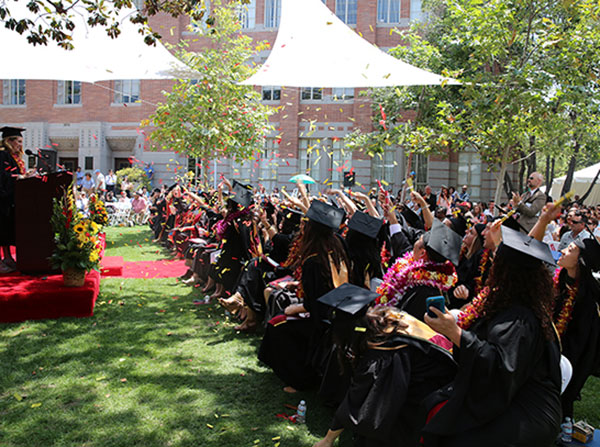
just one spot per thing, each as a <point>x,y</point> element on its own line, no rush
<point>530,204</point>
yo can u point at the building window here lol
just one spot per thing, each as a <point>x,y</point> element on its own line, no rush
<point>247,14</point>
<point>89,163</point>
<point>341,161</point>
<point>312,93</point>
<point>469,172</point>
<point>346,11</point>
<point>272,13</point>
<point>127,91</point>
<point>388,11</point>
<point>270,93</point>
<point>416,10</point>
<point>14,92</point>
<point>383,166</point>
<point>342,94</point>
<point>242,170</point>
<point>69,92</point>
<point>313,158</point>
<point>269,165</point>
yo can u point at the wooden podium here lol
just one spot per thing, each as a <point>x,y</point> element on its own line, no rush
<point>35,238</point>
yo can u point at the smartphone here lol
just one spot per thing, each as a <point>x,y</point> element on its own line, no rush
<point>438,302</point>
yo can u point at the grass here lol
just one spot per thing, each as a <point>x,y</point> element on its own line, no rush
<point>152,369</point>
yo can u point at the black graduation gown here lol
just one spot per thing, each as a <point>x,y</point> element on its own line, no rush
<point>294,349</point>
<point>8,169</point>
<point>413,301</point>
<point>581,340</point>
<point>235,251</point>
<point>382,405</point>
<point>467,271</point>
<point>507,390</point>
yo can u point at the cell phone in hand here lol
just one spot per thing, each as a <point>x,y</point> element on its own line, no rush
<point>439,302</point>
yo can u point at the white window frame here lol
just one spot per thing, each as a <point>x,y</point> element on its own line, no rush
<point>341,157</point>
<point>127,91</point>
<point>385,10</point>
<point>315,162</point>
<point>247,14</point>
<point>269,164</point>
<point>343,8</point>
<point>14,92</point>
<point>66,93</point>
<point>312,93</point>
<point>469,172</point>
<point>271,90</point>
<point>342,93</point>
<point>272,13</point>
<point>383,167</point>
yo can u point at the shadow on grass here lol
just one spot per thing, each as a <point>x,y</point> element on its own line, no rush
<point>149,369</point>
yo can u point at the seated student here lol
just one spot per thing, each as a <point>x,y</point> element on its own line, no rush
<point>364,249</point>
<point>395,363</point>
<point>507,389</point>
<point>294,348</point>
<point>427,271</point>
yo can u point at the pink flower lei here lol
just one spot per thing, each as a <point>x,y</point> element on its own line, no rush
<point>222,225</point>
<point>407,273</point>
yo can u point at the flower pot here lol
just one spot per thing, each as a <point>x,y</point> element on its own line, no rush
<point>73,277</point>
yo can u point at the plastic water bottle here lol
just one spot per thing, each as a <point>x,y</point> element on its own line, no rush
<point>566,434</point>
<point>301,413</point>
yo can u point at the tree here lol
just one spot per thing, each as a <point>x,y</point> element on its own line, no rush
<point>506,107</point>
<point>213,116</point>
<point>48,20</point>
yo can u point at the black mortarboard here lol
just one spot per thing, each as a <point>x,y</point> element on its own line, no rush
<point>347,301</point>
<point>365,224</point>
<point>412,218</point>
<point>522,247</point>
<point>8,131</point>
<point>445,242</point>
<point>242,194</point>
<point>325,214</point>
<point>459,225</point>
<point>589,253</point>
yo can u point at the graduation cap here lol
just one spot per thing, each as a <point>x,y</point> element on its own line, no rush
<point>523,248</point>
<point>589,253</point>
<point>242,194</point>
<point>412,218</point>
<point>8,131</point>
<point>325,214</point>
<point>443,241</point>
<point>365,224</point>
<point>459,225</point>
<point>347,302</point>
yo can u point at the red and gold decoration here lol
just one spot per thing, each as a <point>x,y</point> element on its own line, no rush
<point>406,273</point>
<point>98,213</point>
<point>484,264</point>
<point>566,312</point>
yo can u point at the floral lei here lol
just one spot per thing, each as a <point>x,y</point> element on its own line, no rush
<point>483,265</point>
<point>473,310</point>
<point>566,313</point>
<point>406,273</point>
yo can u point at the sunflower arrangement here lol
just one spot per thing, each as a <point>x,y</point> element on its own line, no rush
<point>76,238</point>
<point>98,211</point>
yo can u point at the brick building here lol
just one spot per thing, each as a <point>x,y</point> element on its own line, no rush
<point>96,126</point>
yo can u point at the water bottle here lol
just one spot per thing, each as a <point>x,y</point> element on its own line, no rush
<point>566,434</point>
<point>301,413</point>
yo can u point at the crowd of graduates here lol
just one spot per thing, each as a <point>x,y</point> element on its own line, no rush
<point>341,284</point>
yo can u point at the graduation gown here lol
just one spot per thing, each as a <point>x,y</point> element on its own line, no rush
<point>383,404</point>
<point>295,349</point>
<point>507,390</point>
<point>413,301</point>
<point>8,169</point>
<point>581,340</point>
<point>235,251</point>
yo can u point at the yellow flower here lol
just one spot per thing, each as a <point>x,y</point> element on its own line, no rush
<point>93,256</point>
<point>79,228</point>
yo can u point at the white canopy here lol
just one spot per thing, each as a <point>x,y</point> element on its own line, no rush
<point>582,180</point>
<point>96,56</point>
<point>314,48</point>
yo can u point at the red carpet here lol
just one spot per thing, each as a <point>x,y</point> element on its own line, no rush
<point>24,297</point>
<point>112,266</point>
<point>154,269</point>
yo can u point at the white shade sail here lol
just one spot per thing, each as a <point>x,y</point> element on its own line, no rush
<point>314,48</point>
<point>582,180</point>
<point>96,56</point>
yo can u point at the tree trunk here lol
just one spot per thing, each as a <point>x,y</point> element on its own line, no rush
<point>572,162</point>
<point>521,171</point>
<point>532,161</point>
<point>587,193</point>
<point>547,177</point>
<point>500,176</point>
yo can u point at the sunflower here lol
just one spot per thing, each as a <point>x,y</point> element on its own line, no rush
<point>79,228</point>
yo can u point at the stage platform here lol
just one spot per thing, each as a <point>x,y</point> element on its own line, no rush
<point>24,297</point>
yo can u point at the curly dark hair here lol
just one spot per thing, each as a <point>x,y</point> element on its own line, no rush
<point>320,240</point>
<point>527,283</point>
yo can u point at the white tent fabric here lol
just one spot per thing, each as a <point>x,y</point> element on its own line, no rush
<point>314,48</point>
<point>582,180</point>
<point>96,56</point>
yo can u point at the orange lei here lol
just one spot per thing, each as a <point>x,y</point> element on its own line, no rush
<point>483,263</point>
<point>19,161</point>
<point>566,312</point>
<point>473,310</point>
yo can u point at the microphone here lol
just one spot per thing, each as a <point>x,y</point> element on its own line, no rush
<point>33,154</point>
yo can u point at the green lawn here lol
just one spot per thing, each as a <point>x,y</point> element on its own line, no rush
<point>151,369</point>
